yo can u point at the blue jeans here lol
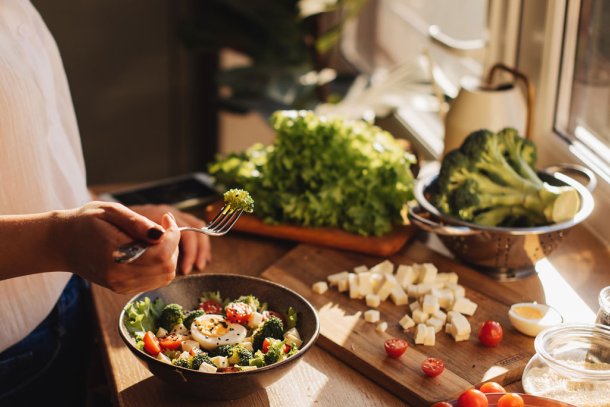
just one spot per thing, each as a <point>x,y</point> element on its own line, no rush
<point>49,366</point>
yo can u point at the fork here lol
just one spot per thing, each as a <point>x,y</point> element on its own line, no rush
<point>219,226</point>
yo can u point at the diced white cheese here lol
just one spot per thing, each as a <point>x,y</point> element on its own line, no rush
<point>334,279</point>
<point>343,286</point>
<point>415,305</point>
<point>255,319</point>
<point>406,275</point>
<point>247,345</point>
<point>440,315</point>
<point>385,267</point>
<point>420,316</point>
<point>381,327</point>
<point>420,334</point>
<point>398,296</point>
<point>457,336</point>
<point>458,290</point>
<point>184,355</point>
<point>161,332</point>
<point>319,287</point>
<point>406,322</point>
<point>180,329</point>
<point>206,367</point>
<point>361,269</point>
<point>444,297</point>
<point>294,332</point>
<point>436,323</point>
<point>447,278</point>
<point>424,288</point>
<point>354,287</point>
<point>464,306</point>
<point>290,339</point>
<point>389,283</point>
<point>189,344</point>
<point>376,280</point>
<point>371,316</point>
<point>430,304</point>
<point>220,361</point>
<point>459,322</point>
<point>364,283</point>
<point>427,273</point>
<point>448,328</point>
<point>413,290</point>
<point>160,356</point>
<point>372,300</point>
<point>430,338</point>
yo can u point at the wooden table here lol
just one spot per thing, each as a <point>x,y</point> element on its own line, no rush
<point>569,280</point>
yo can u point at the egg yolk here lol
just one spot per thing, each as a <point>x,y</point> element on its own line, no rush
<point>528,312</point>
<point>213,327</point>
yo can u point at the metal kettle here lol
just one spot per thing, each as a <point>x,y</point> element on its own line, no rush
<point>489,106</point>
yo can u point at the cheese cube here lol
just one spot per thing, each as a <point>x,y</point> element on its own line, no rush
<point>430,338</point>
<point>371,316</point>
<point>459,323</point>
<point>457,336</point>
<point>385,267</point>
<point>364,283</point>
<point>420,334</point>
<point>464,306</point>
<point>389,283</point>
<point>406,275</point>
<point>444,298</point>
<point>436,323</point>
<point>427,273</point>
<point>420,316</point>
<point>413,290</point>
<point>294,332</point>
<point>447,278</point>
<point>206,367</point>
<point>190,345</point>
<point>376,280</point>
<point>372,300</point>
<point>161,332</point>
<point>319,287</point>
<point>424,288</point>
<point>361,269</point>
<point>354,287</point>
<point>220,361</point>
<point>440,315</point>
<point>334,279</point>
<point>415,305</point>
<point>343,285</point>
<point>247,345</point>
<point>398,296</point>
<point>255,319</point>
<point>430,304</point>
<point>381,327</point>
<point>458,290</point>
<point>406,322</point>
<point>163,358</point>
<point>290,339</point>
<point>448,328</point>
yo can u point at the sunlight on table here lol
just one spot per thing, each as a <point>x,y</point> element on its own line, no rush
<point>338,324</point>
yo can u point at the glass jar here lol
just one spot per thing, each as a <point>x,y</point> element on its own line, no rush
<point>571,364</point>
<point>603,315</point>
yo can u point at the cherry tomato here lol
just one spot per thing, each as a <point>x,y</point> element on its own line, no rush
<point>490,333</point>
<point>432,367</point>
<point>238,312</point>
<point>287,348</point>
<point>395,347</point>
<point>472,398</point>
<point>267,314</point>
<point>511,400</point>
<point>491,387</point>
<point>442,404</point>
<point>266,344</point>
<point>211,307</point>
<point>171,342</point>
<point>151,344</point>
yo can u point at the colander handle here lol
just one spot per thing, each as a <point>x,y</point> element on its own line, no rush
<point>432,226</point>
<point>574,169</point>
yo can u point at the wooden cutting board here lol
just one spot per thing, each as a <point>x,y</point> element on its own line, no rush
<point>345,334</point>
<point>329,237</point>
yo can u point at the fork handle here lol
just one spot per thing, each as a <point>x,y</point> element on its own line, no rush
<point>129,252</point>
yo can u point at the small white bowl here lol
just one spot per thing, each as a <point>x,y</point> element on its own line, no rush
<point>531,318</point>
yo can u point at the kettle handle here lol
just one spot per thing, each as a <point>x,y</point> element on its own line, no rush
<point>528,87</point>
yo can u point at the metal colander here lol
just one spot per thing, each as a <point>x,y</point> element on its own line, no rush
<point>501,252</point>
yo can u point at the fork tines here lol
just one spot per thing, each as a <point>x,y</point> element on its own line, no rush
<point>223,221</point>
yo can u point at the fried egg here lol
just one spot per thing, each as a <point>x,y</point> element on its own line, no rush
<point>212,331</point>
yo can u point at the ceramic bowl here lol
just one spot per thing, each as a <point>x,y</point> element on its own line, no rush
<point>226,386</point>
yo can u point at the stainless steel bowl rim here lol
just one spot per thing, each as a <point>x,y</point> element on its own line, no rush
<point>585,210</point>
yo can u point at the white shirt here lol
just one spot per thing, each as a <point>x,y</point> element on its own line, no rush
<point>41,162</point>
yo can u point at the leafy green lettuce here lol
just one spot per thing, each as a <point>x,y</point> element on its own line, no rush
<point>323,171</point>
<point>140,316</point>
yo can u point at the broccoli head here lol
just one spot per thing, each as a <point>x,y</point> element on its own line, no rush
<point>238,199</point>
<point>200,358</point>
<point>275,352</point>
<point>250,300</point>
<point>271,328</point>
<point>258,359</point>
<point>490,180</point>
<point>190,317</point>
<point>222,350</point>
<point>182,363</point>
<point>240,356</point>
<point>171,316</point>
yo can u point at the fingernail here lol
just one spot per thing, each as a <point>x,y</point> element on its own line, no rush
<point>154,233</point>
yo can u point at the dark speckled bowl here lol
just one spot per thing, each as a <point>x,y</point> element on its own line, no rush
<point>227,386</point>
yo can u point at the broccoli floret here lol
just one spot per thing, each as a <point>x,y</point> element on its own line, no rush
<point>200,358</point>
<point>240,356</point>
<point>258,359</point>
<point>250,300</point>
<point>293,349</point>
<point>171,316</point>
<point>222,350</point>
<point>238,199</point>
<point>490,180</point>
<point>182,363</point>
<point>190,317</point>
<point>275,353</point>
<point>271,328</point>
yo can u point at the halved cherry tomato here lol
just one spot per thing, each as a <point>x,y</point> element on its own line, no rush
<point>442,404</point>
<point>432,367</point>
<point>266,344</point>
<point>472,398</point>
<point>511,400</point>
<point>211,307</point>
<point>238,312</point>
<point>491,387</point>
<point>171,342</point>
<point>490,333</point>
<point>267,314</point>
<point>395,347</point>
<point>151,344</point>
<point>287,348</point>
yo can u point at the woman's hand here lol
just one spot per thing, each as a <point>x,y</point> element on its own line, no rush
<point>195,247</point>
<point>90,234</point>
